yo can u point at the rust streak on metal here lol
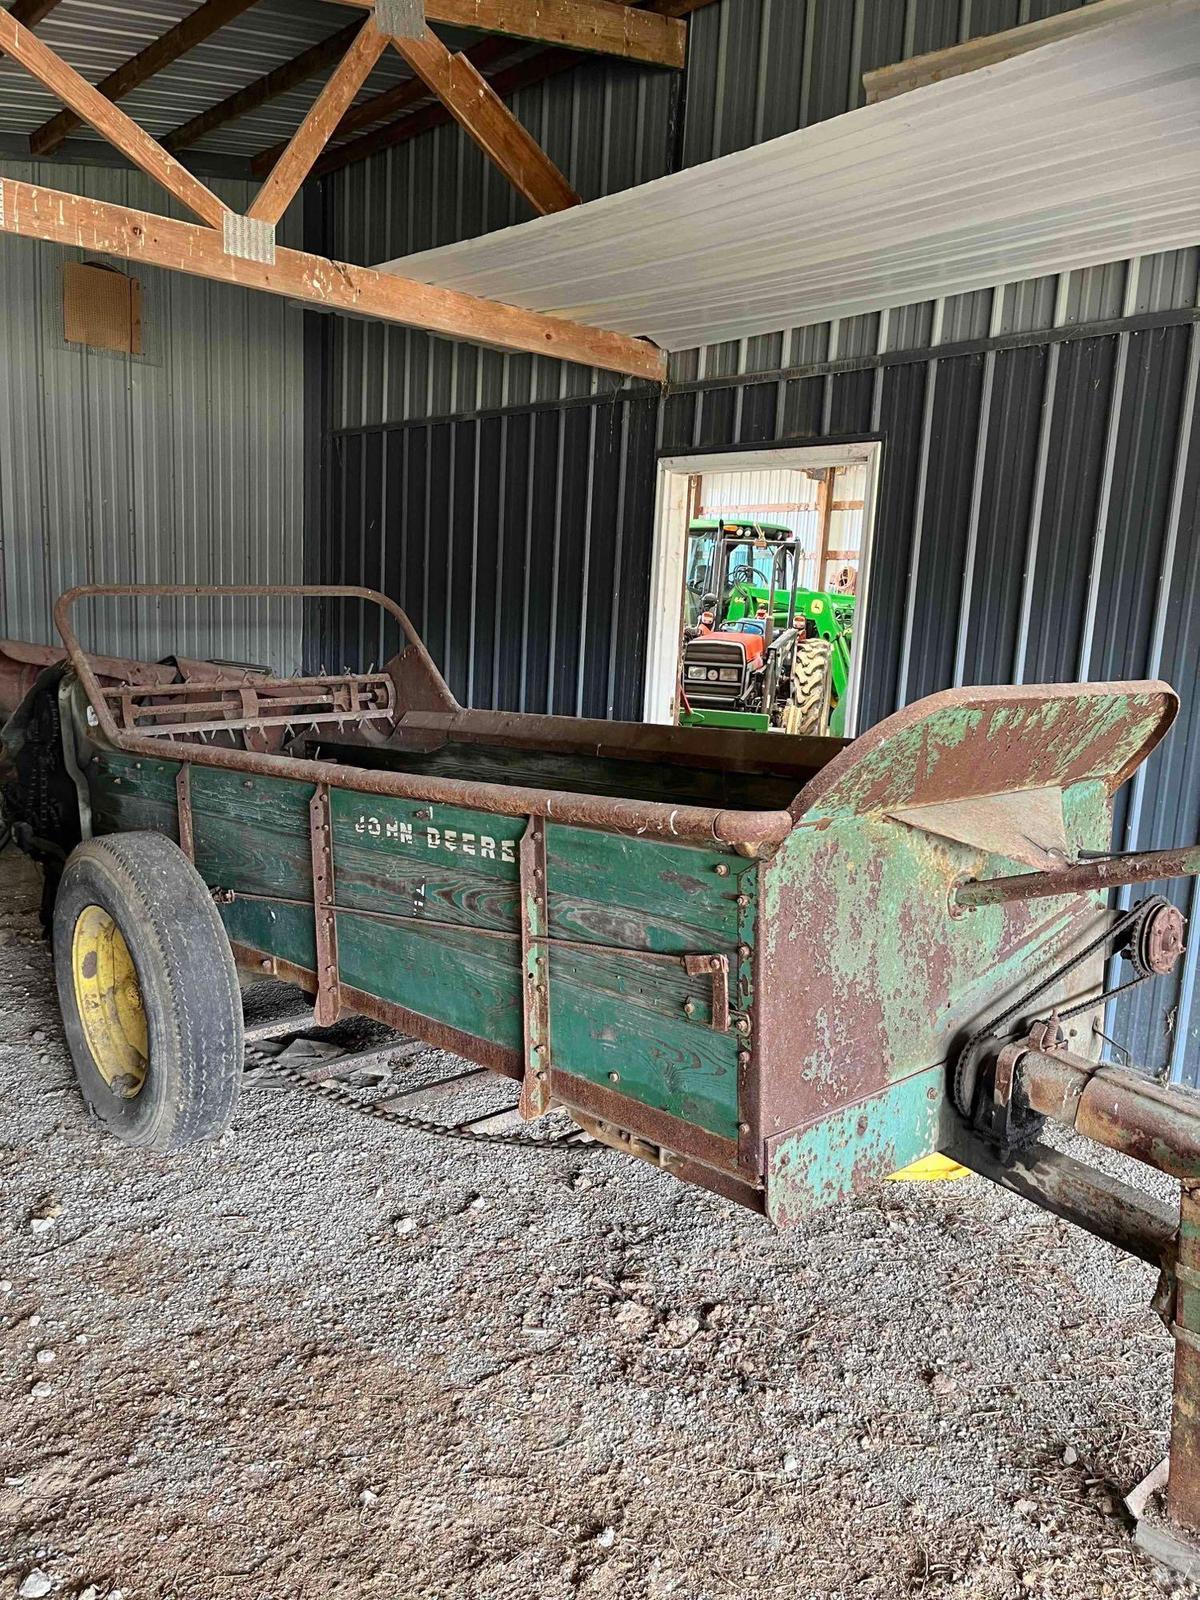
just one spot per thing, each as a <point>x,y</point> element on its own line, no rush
<point>647,1122</point>
<point>1117,1212</point>
<point>1183,1485</point>
<point>716,970</point>
<point>183,806</point>
<point>1119,1109</point>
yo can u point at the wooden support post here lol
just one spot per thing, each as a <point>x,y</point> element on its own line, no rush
<point>177,41</point>
<point>108,120</point>
<point>310,138</point>
<point>37,213</point>
<point>479,110</point>
<point>825,504</point>
<point>599,26</point>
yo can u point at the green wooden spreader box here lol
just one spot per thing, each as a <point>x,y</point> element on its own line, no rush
<point>779,968</point>
<point>736,955</point>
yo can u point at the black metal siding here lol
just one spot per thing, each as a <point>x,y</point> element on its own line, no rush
<point>518,543</point>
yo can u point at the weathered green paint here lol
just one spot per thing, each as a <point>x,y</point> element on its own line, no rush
<point>873,978</point>
<point>624,1016</point>
<point>611,889</point>
<point>611,1009</point>
<point>892,765</point>
<point>835,1157</point>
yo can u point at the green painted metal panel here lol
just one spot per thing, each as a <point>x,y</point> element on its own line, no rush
<point>856,1144</point>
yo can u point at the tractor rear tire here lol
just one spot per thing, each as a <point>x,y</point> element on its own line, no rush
<point>149,993</point>
<point>808,709</point>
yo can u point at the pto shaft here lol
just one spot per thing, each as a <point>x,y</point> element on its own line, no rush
<point>1108,872</point>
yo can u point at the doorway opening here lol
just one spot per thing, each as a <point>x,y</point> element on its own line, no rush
<point>759,589</point>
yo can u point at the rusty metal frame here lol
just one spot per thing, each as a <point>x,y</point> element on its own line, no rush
<point>748,832</point>
<point>716,969</point>
<point>1084,877</point>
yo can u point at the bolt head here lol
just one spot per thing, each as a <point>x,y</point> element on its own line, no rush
<point>614,1077</point>
<point>721,870</point>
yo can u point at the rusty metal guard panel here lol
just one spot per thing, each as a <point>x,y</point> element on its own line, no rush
<point>869,977</point>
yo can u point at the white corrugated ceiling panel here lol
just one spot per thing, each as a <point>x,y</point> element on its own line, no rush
<point>1083,151</point>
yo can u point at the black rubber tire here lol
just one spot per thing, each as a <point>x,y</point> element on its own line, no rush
<point>808,708</point>
<point>189,989</point>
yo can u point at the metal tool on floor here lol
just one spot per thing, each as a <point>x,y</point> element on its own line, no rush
<point>777,967</point>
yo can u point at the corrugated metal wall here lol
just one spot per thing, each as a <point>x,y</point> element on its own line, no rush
<point>519,545</point>
<point>1038,506</point>
<point>181,465</point>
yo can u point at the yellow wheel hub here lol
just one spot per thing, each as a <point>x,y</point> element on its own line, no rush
<point>109,999</point>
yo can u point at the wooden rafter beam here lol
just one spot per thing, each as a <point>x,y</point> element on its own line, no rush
<point>479,110</point>
<point>599,26</point>
<point>199,25</point>
<point>109,121</point>
<point>521,75</point>
<point>311,137</point>
<point>30,12</point>
<point>94,225</point>
<point>281,80</point>
<point>380,107</point>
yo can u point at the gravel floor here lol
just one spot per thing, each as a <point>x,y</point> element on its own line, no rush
<point>324,1358</point>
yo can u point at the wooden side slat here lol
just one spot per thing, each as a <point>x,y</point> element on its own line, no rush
<point>36,213</point>
<point>479,110</point>
<point>108,120</point>
<point>311,137</point>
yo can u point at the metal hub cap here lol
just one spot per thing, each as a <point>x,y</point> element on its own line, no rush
<point>109,999</point>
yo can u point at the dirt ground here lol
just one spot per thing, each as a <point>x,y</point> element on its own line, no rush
<point>326,1358</point>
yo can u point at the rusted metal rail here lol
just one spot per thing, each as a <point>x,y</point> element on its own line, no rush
<point>1083,877</point>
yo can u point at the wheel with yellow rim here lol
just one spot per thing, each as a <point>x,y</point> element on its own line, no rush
<point>149,993</point>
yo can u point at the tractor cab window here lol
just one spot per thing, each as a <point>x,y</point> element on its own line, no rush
<point>752,563</point>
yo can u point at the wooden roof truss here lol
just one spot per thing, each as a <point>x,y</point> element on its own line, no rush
<point>227,246</point>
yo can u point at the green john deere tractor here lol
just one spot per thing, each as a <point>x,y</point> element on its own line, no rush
<point>758,651</point>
